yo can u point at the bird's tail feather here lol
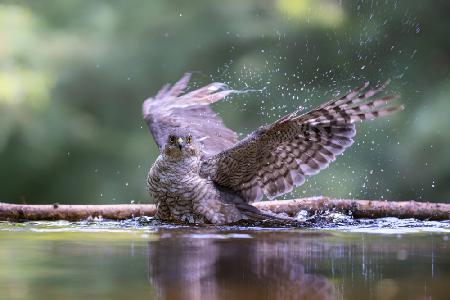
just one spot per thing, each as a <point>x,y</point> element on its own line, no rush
<point>255,214</point>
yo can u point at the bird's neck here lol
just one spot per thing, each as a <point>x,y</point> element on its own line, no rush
<point>183,164</point>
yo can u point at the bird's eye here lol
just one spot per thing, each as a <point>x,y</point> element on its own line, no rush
<point>172,139</point>
<point>189,139</point>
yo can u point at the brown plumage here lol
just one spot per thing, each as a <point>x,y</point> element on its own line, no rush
<point>204,174</point>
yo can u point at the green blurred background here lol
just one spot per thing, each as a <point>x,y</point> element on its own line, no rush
<point>73,75</point>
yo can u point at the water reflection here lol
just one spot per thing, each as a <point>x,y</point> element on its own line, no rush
<point>261,268</point>
<point>211,263</point>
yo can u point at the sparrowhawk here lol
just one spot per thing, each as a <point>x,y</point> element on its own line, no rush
<point>205,175</point>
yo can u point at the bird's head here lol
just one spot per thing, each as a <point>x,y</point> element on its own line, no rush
<point>180,145</point>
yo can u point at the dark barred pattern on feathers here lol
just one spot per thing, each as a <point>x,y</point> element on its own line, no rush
<point>170,109</point>
<point>278,157</point>
<point>213,178</point>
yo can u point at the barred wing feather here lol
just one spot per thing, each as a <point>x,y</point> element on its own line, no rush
<point>278,157</point>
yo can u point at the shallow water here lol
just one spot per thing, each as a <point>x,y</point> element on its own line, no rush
<point>383,259</point>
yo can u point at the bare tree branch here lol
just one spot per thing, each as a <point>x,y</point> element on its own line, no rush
<point>357,208</point>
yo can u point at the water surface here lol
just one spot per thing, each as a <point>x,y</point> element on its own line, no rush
<point>389,259</point>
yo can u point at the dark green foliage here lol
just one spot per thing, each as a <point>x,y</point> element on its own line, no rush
<point>73,75</point>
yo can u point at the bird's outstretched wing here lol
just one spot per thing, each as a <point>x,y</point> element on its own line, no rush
<point>277,157</point>
<point>170,109</point>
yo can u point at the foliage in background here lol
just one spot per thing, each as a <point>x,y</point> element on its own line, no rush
<point>73,75</point>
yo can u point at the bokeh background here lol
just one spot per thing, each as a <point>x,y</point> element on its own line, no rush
<point>73,75</point>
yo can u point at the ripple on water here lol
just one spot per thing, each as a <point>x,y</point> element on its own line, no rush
<point>331,221</point>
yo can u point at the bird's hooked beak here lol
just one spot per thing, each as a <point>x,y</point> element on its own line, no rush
<point>181,143</point>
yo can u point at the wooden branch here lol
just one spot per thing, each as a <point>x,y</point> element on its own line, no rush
<point>17,212</point>
<point>357,208</point>
<point>361,208</point>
